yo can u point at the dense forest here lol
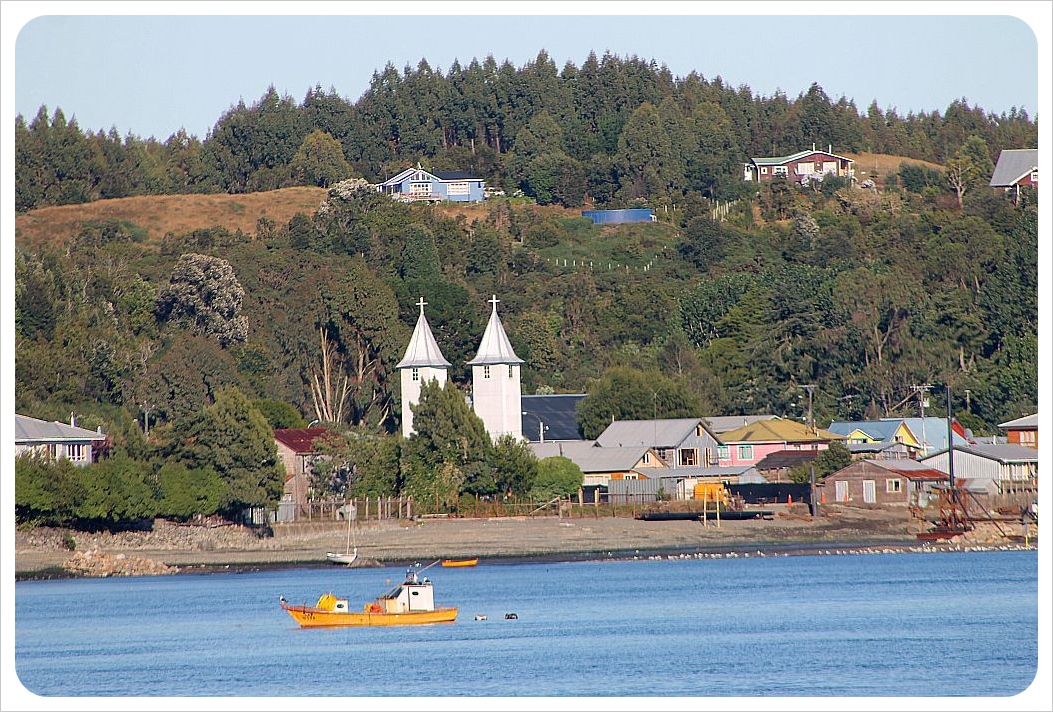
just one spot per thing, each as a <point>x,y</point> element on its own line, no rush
<point>929,277</point>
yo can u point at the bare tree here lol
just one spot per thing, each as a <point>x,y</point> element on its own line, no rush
<point>329,387</point>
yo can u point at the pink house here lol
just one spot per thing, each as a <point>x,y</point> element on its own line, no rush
<point>751,443</point>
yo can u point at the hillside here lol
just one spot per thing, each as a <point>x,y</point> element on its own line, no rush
<point>161,214</point>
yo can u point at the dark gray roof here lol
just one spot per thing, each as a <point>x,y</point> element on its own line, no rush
<point>559,413</point>
<point>786,459</point>
<point>1013,164</point>
<point>454,175</point>
<point>31,430</point>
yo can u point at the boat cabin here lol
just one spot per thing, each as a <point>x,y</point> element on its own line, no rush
<point>413,594</point>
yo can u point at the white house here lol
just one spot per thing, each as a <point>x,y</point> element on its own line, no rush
<point>56,440</point>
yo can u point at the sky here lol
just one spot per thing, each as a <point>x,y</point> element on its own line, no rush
<point>150,75</point>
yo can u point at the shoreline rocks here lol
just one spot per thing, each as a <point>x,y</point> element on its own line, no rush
<point>100,564</point>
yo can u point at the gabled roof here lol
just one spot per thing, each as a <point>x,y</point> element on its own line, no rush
<point>420,174</point>
<point>422,349</point>
<point>591,458</point>
<point>31,430</point>
<point>559,413</point>
<point>778,431</point>
<point>723,423</point>
<point>911,469</point>
<point>780,160</point>
<point>667,432</point>
<point>495,346</point>
<point>300,440</point>
<point>1028,422</point>
<point>1013,164</point>
<point>934,430</point>
<point>879,430</point>
<point>1005,453</point>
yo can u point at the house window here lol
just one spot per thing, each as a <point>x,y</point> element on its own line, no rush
<point>745,452</point>
<point>893,485</point>
<point>420,188</point>
<point>663,452</point>
<point>723,452</point>
<point>805,169</point>
<point>511,372</point>
<point>630,476</point>
<point>457,189</point>
<point>486,371</point>
<point>1028,437</point>
<point>646,459</point>
<point>764,170</point>
<point>778,170</point>
<point>688,457</point>
<point>416,374</point>
<point>699,430</point>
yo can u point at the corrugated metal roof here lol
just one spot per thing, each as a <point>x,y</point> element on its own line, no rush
<point>874,429</point>
<point>1005,453</point>
<point>299,440</point>
<point>32,430</point>
<point>1013,164</point>
<point>723,423</point>
<point>662,433</point>
<point>591,458</point>
<point>778,431</point>
<point>1028,421</point>
<point>495,346</point>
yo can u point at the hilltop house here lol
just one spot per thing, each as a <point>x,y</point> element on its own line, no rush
<point>1016,168</point>
<point>417,184</point>
<point>799,167</point>
<point>57,441</point>
<point>751,443</point>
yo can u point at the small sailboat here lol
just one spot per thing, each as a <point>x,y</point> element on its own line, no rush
<point>350,554</point>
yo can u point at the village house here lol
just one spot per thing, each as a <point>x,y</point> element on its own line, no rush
<point>602,465</point>
<point>883,482</point>
<point>750,444</point>
<point>799,167</point>
<point>57,441</point>
<point>417,184</point>
<point>678,442</point>
<point>1007,474</point>
<point>1022,431</point>
<point>897,437</point>
<point>297,452</point>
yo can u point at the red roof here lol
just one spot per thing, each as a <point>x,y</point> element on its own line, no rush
<point>918,474</point>
<point>299,440</point>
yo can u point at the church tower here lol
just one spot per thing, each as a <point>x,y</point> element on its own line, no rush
<point>496,391</point>
<point>423,362</point>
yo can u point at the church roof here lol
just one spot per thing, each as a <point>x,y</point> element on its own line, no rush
<point>422,349</point>
<point>495,347</point>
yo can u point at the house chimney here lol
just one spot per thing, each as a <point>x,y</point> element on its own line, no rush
<point>829,148</point>
<point>72,420</point>
<point>813,145</point>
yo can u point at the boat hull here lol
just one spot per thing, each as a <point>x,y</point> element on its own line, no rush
<point>457,563</point>
<point>345,559</point>
<point>311,617</point>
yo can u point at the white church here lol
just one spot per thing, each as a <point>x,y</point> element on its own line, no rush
<point>496,389</point>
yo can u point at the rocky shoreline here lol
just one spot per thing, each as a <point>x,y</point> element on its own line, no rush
<point>168,548</point>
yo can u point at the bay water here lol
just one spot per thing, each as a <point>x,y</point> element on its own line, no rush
<point>961,624</point>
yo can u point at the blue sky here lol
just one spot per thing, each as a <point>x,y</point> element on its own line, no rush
<point>153,74</point>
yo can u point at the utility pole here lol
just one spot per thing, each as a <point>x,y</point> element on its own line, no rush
<point>809,387</point>
<point>923,398</point>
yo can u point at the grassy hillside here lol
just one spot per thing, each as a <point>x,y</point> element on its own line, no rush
<point>160,214</point>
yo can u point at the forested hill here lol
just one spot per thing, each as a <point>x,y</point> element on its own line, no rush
<point>613,130</point>
<point>306,307</point>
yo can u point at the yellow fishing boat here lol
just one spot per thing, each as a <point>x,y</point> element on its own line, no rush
<point>412,602</point>
<point>452,563</point>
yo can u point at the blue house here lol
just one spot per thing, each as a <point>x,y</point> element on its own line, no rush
<point>416,184</point>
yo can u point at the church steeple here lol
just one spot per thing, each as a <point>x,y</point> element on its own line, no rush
<point>496,386</point>
<point>422,362</point>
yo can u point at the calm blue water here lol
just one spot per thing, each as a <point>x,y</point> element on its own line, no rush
<point>959,624</point>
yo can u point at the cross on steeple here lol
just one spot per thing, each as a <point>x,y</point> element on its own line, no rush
<point>494,300</point>
<point>422,304</point>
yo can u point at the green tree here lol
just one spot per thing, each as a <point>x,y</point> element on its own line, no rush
<point>47,492</point>
<point>513,466</point>
<point>630,394</point>
<point>279,414</point>
<point>204,293</point>
<point>319,161</point>
<point>970,167</point>
<point>114,494</point>
<point>556,477</point>
<point>234,438</point>
<point>186,492</point>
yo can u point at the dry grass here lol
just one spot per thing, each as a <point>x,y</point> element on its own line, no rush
<point>160,214</point>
